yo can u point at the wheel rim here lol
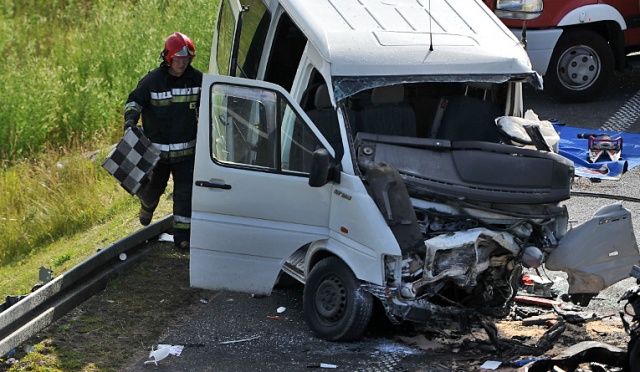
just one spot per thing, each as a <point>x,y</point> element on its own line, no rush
<point>579,67</point>
<point>331,299</point>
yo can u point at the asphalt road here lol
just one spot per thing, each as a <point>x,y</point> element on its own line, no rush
<point>237,332</point>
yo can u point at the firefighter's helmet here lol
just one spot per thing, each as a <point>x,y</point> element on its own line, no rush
<point>178,45</point>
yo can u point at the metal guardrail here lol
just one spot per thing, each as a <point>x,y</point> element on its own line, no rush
<point>53,300</point>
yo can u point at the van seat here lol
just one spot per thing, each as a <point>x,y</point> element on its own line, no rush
<point>326,119</point>
<point>388,113</point>
<point>464,118</point>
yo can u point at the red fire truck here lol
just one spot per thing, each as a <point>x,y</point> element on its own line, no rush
<point>576,44</point>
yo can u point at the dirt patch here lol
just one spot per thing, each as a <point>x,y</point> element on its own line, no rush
<point>127,317</point>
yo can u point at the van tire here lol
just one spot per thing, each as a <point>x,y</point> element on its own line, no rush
<point>580,68</point>
<point>336,308</point>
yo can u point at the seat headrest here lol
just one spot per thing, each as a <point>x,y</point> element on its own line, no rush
<point>391,94</point>
<point>322,100</point>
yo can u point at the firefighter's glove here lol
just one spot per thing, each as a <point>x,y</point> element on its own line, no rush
<point>129,124</point>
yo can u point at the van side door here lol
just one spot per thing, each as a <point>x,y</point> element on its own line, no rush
<point>252,203</point>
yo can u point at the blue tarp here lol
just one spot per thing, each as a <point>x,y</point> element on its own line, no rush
<point>576,149</point>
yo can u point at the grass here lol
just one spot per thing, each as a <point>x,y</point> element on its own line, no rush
<point>18,277</point>
<point>73,64</point>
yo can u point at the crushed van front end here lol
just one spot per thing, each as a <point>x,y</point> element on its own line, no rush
<point>468,224</point>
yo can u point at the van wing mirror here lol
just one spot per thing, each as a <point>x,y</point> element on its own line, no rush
<point>322,169</point>
<point>519,9</point>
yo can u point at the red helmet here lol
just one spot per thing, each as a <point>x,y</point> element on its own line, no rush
<point>178,45</point>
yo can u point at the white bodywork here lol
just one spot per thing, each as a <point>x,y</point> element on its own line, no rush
<point>347,38</point>
<point>416,200</point>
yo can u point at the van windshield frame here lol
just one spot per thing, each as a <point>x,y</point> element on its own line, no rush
<point>346,86</point>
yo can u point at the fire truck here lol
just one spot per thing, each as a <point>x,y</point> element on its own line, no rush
<point>576,44</point>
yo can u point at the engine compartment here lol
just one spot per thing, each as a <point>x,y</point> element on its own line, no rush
<point>469,216</point>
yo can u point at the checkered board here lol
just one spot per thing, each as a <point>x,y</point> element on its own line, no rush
<point>132,161</point>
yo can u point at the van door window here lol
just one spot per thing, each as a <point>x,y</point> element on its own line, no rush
<point>257,128</point>
<point>255,24</point>
<point>226,29</point>
<point>286,52</point>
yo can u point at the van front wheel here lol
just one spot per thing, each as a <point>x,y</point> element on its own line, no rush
<point>335,307</point>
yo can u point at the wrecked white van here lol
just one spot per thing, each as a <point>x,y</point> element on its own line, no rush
<point>353,146</point>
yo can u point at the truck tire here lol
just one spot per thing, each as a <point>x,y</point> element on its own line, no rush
<point>335,307</point>
<point>580,67</point>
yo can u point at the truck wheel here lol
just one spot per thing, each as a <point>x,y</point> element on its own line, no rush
<point>335,307</point>
<point>580,67</point>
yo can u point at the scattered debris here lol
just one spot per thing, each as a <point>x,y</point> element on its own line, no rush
<point>175,350</point>
<point>421,342</point>
<point>203,301</point>
<point>544,319</point>
<point>525,361</point>
<point>158,354</point>
<point>510,348</point>
<point>532,300</point>
<point>274,317</point>
<point>281,309</point>
<point>122,256</point>
<point>164,237</point>
<point>583,352</point>
<point>163,351</point>
<point>323,365</point>
<point>241,340</point>
<point>491,364</point>
<point>537,285</point>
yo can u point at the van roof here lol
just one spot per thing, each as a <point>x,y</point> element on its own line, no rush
<point>392,37</point>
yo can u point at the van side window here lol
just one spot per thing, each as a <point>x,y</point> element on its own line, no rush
<point>255,24</point>
<point>298,143</point>
<point>257,128</point>
<point>226,28</point>
<point>286,52</point>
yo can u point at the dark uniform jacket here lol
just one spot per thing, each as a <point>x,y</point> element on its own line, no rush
<point>169,105</point>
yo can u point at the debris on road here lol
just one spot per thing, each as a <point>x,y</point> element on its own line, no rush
<point>532,300</point>
<point>421,342</point>
<point>158,354</point>
<point>583,352</point>
<point>323,365</point>
<point>241,340</point>
<point>491,364</point>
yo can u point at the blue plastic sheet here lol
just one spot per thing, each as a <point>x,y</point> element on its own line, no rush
<point>576,149</point>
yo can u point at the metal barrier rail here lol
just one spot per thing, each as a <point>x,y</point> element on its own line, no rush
<point>53,300</point>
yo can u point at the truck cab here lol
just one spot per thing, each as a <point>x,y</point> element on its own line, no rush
<point>578,44</point>
<point>370,151</point>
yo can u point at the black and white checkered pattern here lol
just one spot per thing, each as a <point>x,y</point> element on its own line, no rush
<point>132,161</point>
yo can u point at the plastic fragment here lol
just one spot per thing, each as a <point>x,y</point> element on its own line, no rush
<point>158,354</point>
<point>491,364</point>
<point>281,310</point>
<point>241,340</point>
<point>323,365</point>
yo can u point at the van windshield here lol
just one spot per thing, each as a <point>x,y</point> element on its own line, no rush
<point>347,86</point>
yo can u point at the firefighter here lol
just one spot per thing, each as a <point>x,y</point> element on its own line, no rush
<point>167,98</point>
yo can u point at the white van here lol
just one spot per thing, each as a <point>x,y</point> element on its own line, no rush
<point>353,146</point>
